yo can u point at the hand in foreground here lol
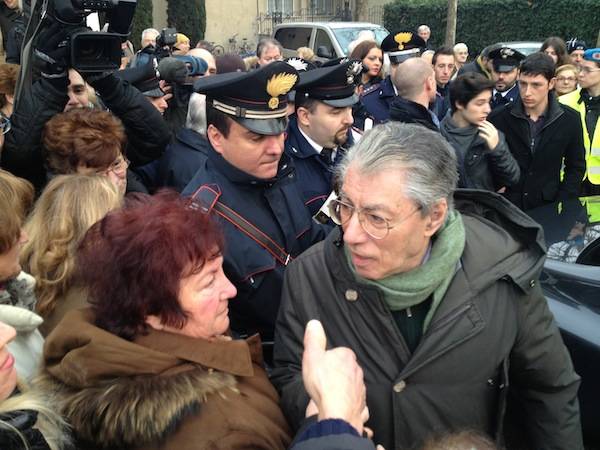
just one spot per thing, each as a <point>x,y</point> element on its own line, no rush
<point>489,133</point>
<point>333,379</point>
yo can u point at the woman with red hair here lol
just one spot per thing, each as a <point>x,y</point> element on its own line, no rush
<point>150,364</point>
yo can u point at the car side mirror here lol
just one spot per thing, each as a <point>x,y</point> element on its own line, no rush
<point>324,52</point>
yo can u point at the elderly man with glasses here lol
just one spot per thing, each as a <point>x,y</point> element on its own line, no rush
<point>440,304</point>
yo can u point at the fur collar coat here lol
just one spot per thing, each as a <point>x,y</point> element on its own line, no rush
<point>161,391</point>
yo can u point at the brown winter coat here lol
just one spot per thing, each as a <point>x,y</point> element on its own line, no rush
<point>162,391</point>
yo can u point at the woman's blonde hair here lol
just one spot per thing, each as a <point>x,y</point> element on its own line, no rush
<point>564,68</point>
<point>67,208</point>
<point>16,198</point>
<point>49,422</point>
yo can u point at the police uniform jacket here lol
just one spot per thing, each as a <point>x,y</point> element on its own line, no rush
<point>180,162</point>
<point>378,98</point>
<point>560,143</point>
<point>493,332</point>
<point>313,175</point>
<point>511,96</point>
<point>273,206</point>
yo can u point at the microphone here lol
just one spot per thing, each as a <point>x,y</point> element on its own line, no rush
<point>172,70</point>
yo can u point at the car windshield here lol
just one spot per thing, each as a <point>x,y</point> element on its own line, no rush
<point>572,230</point>
<point>347,35</point>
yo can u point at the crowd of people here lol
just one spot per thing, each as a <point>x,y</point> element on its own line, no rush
<point>289,253</point>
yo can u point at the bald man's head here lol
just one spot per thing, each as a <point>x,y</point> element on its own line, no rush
<point>410,78</point>
<point>206,56</point>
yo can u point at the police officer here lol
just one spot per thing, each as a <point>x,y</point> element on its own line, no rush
<point>378,98</point>
<point>505,63</point>
<point>320,132</point>
<point>248,183</point>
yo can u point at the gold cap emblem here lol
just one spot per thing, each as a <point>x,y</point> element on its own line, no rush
<point>402,38</point>
<point>280,84</point>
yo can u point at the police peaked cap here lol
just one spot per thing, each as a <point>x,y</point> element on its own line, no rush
<point>505,59</point>
<point>334,85</point>
<point>402,45</point>
<point>257,100</point>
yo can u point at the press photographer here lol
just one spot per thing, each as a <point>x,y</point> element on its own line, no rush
<point>63,50</point>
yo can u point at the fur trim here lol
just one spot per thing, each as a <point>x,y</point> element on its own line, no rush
<point>133,411</point>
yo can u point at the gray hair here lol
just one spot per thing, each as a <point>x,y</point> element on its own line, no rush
<point>423,28</point>
<point>460,46</point>
<point>265,43</point>
<point>424,157</point>
<point>147,31</point>
<point>196,116</point>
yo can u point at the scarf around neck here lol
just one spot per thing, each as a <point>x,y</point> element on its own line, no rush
<point>404,290</point>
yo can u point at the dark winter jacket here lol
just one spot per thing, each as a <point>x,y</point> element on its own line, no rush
<point>560,144</point>
<point>407,111</point>
<point>24,421</point>
<point>478,166</point>
<point>178,165</point>
<point>161,391</point>
<point>491,334</point>
<point>147,133</point>
<point>273,206</point>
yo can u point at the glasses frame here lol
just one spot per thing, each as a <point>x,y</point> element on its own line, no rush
<point>337,218</point>
<point>115,168</point>
<point>587,71</point>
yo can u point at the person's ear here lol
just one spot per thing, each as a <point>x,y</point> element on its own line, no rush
<point>437,217</point>
<point>10,98</point>
<point>551,83</point>
<point>216,138</point>
<point>302,115</point>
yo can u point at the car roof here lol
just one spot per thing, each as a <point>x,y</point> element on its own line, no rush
<point>330,24</point>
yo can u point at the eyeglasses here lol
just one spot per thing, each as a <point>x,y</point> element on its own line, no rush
<point>5,124</point>
<point>566,79</point>
<point>118,167</point>
<point>375,226</point>
<point>587,70</point>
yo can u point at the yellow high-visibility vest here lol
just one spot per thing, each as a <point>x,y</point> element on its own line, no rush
<point>592,146</point>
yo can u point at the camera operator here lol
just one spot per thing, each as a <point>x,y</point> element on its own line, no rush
<point>146,131</point>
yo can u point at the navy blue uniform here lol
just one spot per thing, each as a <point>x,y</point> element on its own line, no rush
<point>511,96</point>
<point>378,99</point>
<point>314,175</point>
<point>178,164</point>
<point>275,207</point>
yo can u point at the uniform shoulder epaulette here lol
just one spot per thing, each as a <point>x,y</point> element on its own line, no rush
<point>371,88</point>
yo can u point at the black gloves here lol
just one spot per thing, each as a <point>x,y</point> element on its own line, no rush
<point>51,52</point>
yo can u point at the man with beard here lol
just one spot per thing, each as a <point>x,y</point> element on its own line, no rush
<point>505,63</point>
<point>320,132</point>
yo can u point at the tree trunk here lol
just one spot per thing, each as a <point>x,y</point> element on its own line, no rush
<point>451,23</point>
<point>360,10</point>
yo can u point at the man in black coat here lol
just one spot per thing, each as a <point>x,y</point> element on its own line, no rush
<point>544,136</point>
<point>415,81</point>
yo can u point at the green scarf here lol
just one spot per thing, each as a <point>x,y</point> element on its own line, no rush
<point>404,290</point>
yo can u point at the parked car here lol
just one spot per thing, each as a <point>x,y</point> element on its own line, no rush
<point>525,47</point>
<point>571,283</point>
<point>327,39</point>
